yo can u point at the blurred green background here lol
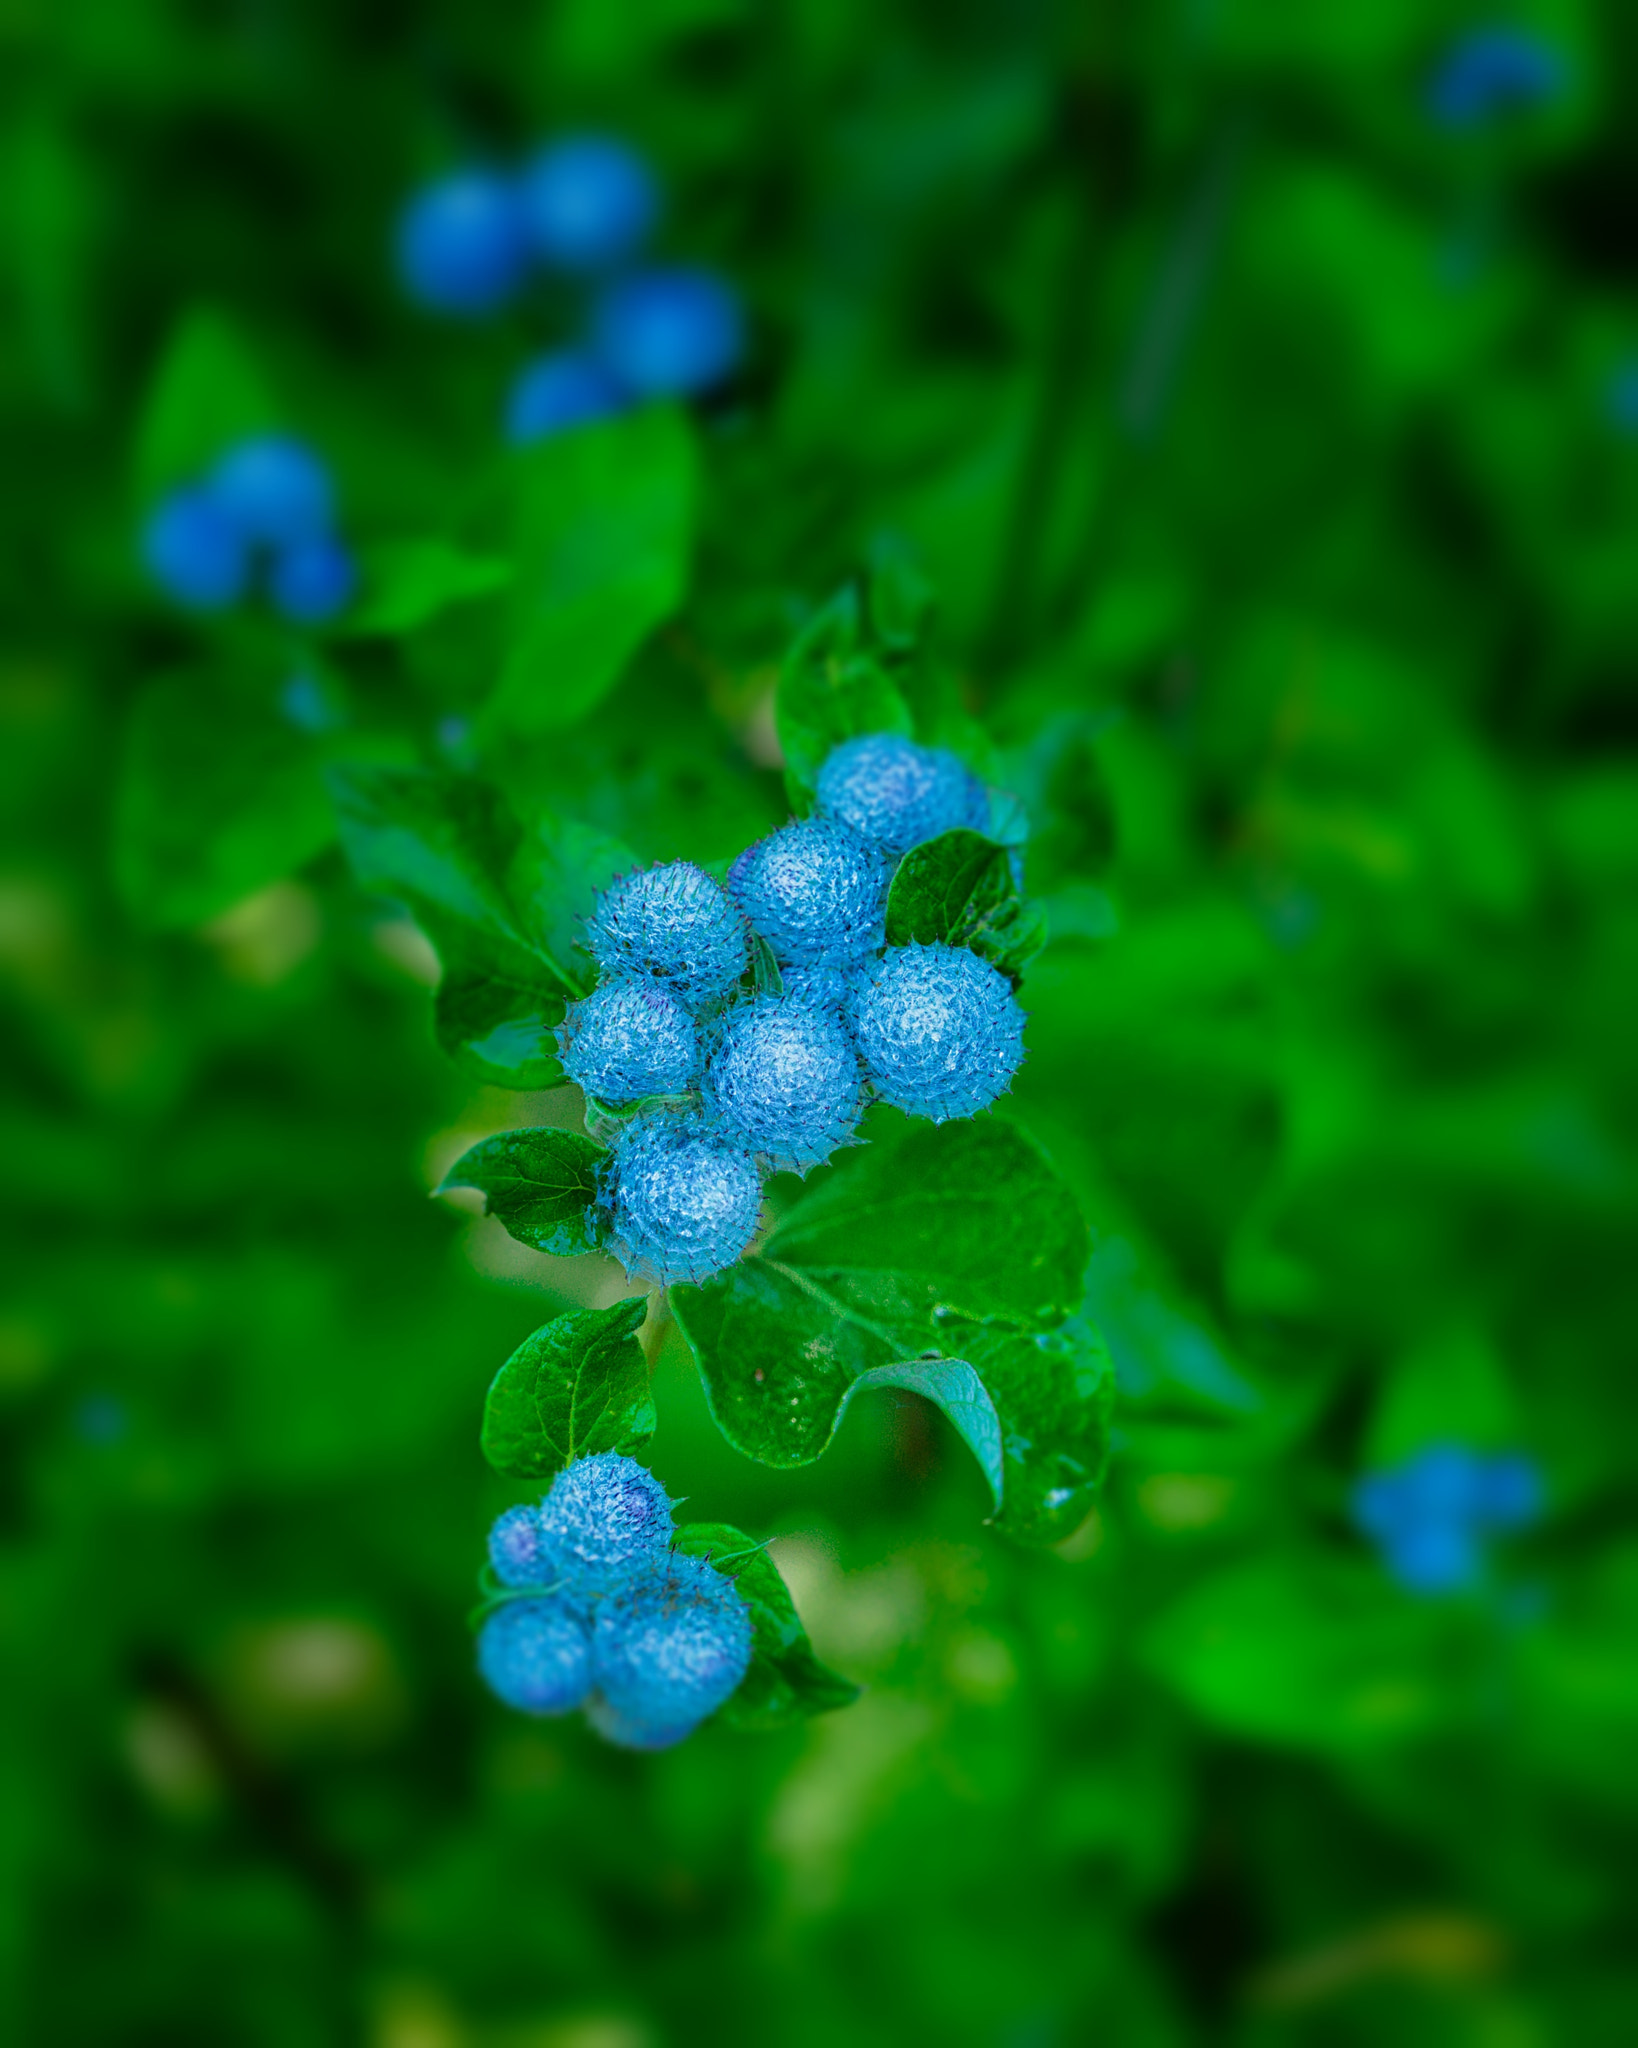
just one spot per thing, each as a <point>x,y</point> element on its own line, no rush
<point>1267,443</point>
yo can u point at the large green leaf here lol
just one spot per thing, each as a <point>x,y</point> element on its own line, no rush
<point>959,890</point>
<point>407,583</point>
<point>578,1386</point>
<point>498,1030</point>
<point>832,687</point>
<point>604,527</point>
<point>786,1681</point>
<point>207,393</point>
<point>542,1185</point>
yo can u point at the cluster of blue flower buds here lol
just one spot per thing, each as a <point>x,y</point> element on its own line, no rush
<point>750,1079</point>
<point>582,212</point>
<point>267,506</point>
<point>1492,72</point>
<point>601,1613</point>
<point>1430,1516</point>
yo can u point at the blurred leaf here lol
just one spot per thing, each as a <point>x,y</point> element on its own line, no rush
<point>831,688</point>
<point>207,393</point>
<point>500,1031</point>
<point>786,1681</point>
<point>542,1185</point>
<point>577,1387</point>
<point>406,583</point>
<point>560,867</point>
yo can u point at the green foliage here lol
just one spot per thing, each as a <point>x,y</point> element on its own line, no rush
<point>541,1184</point>
<point>576,1387</point>
<point>959,890</point>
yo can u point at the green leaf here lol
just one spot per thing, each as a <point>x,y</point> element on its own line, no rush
<point>218,797</point>
<point>559,868</point>
<point>578,1386</point>
<point>500,1031</point>
<point>407,583</point>
<point>604,526</point>
<point>786,1681</point>
<point>959,890</point>
<point>832,687</point>
<point>542,1184</point>
<point>901,599</point>
<point>206,394</point>
<point>765,968</point>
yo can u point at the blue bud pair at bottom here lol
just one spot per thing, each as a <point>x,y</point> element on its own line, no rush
<point>1430,1516</point>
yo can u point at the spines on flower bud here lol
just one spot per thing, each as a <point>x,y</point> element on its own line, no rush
<point>671,925</point>
<point>939,1030</point>
<point>783,1079</point>
<point>682,1202</point>
<point>816,892</point>
<point>628,1039</point>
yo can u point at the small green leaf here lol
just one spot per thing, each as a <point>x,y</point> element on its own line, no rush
<point>207,393</point>
<point>578,1386</point>
<point>832,687</point>
<point>542,1184</point>
<point>765,968</point>
<point>406,583</point>
<point>559,868</point>
<point>901,599</point>
<point>958,890</point>
<point>786,1681</point>
<point>499,1031</point>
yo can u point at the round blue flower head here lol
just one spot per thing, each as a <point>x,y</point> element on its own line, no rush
<point>897,793</point>
<point>558,391</point>
<point>313,579</point>
<point>518,1552</point>
<point>1433,1557</point>
<point>816,892</point>
<point>625,1732</point>
<point>939,1030</point>
<point>670,1648</point>
<point>1509,1492</point>
<point>588,202</point>
<point>194,552</point>
<point>1441,1484</point>
<point>604,1518</point>
<point>671,925</point>
<point>535,1655</point>
<point>668,333</point>
<point>462,246</point>
<point>821,988</point>
<point>275,490</point>
<point>784,1080</point>
<point>682,1202</point>
<point>628,1039</point>
<point>1491,72</point>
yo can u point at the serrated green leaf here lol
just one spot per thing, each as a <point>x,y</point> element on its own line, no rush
<point>959,890</point>
<point>542,1184</point>
<point>404,584</point>
<point>207,393</point>
<point>499,1031</point>
<point>786,1681</point>
<point>765,968</point>
<point>576,1387</point>
<point>833,686</point>
<point>558,870</point>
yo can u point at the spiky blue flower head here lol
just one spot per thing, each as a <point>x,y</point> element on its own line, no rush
<point>313,579</point>
<point>682,1201</point>
<point>535,1655</point>
<point>671,925</point>
<point>462,244</point>
<point>626,1732</point>
<point>628,1039</point>
<point>669,333</point>
<point>195,552</point>
<point>669,1648</point>
<point>939,1030</point>
<point>898,794</point>
<point>274,489</point>
<point>1493,71</point>
<point>1433,1557</point>
<point>588,202</point>
<point>822,988</point>
<point>1510,1492</point>
<point>604,1518</point>
<point>816,892</point>
<point>564,389</point>
<point>783,1078</point>
<point>518,1551</point>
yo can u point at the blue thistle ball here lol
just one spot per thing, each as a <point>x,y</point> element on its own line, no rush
<point>588,202</point>
<point>195,552</point>
<point>669,333</point>
<point>535,1655</point>
<point>668,1649</point>
<point>462,244</point>
<point>518,1551</point>
<point>557,391</point>
<point>821,988</point>
<point>671,925</point>
<point>816,892</point>
<point>1510,1493</point>
<point>628,1039</point>
<point>313,579</point>
<point>604,1518</point>
<point>1492,72</point>
<point>275,490</point>
<point>899,794</point>
<point>783,1078</point>
<point>627,1732</point>
<point>939,1030</point>
<point>1433,1557</point>
<point>682,1202</point>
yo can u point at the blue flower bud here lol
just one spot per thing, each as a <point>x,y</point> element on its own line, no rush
<point>821,988</point>
<point>783,1079</point>
<point>682,1202</point>
<point>313,579</point>
<point>535,1655</point>
<point>628,1039</point>
<point>462,247</point>
<point>939,1030</point>
<point>275,491</point>
<point>1509,1492</point>
<point>1377,1504</point>
<point>669,333</point>
<point>1441,1483</point>
<point>588,202</point>
<point>518,1551</point>
<point>626,1732</point>
<point>195,552</point>
<point>604,1518</point>
<point>671,925</point>
<point>1433,1557</point>
<point>558,391</point>
<point>898,794</point>
<point>670,1648</point>
<point>816,892</point>
<point>1492,72</point>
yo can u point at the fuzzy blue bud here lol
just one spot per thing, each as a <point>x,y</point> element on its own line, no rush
<point>1509,1492</point>
<point>462,247</point>
<point>821,988</point>
<point>275,490</point>
<point>670,1648</point>
<point>671,925</point>
<point>626,1731</point>
<point>1492,72</point>
<point>535,1655</point>
<point>669,333</point>
<point>783,1079</point>
<point>518,1551</point>
<point>558,391</point>
<point>682,1203</point>
<point>313,579</point>
<point>604,1518</point>
<point>628,1039</point>
<point>899,794</point>
<point>939,1030</point>
<point>1433,1557</point>
<point>194,551</point>
<point>816,892</point>
<point>588,203</point>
